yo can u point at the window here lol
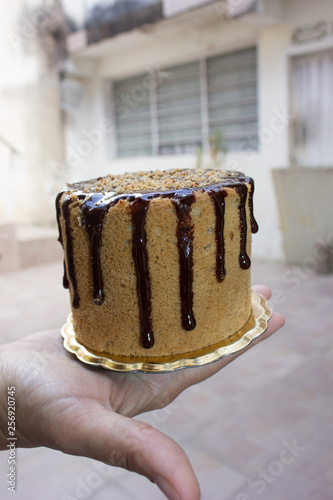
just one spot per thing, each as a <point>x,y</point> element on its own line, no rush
<point>179,110</point>
<point>133,117</point>
<point>312,109</point>
<point>232,98</point>
<point>175,110</point>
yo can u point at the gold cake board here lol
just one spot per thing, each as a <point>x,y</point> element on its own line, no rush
<point>255,327</point>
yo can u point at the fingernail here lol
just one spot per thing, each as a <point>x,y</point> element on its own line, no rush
<point>166,487</point>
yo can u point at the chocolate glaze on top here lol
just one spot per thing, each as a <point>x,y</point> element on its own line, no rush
<point>95,206</point>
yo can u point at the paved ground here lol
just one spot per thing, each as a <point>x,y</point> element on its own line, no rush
<point>261,428</point>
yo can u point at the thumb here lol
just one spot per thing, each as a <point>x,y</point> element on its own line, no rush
<point>136,446</point>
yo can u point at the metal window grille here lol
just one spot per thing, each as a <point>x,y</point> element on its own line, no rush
<point>174,111</point>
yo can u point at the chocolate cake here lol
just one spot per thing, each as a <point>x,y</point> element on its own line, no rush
<point>158,263</point>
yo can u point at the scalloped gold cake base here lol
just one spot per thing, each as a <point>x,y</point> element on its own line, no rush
<point>255,327</point>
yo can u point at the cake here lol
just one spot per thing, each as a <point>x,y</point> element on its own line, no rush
<point>158,263</point>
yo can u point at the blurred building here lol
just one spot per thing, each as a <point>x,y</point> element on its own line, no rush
<point>242,84</point>
<point>160,81</point>
<point>31,129</point>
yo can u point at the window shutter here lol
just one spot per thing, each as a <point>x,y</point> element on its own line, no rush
<point>131,100</point>
<point>179,110</point>
<point>187,104</point>
<point>232,98</point>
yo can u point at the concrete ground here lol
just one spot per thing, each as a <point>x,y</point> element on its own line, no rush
<point>261,428</point>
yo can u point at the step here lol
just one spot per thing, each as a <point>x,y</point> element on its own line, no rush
<point>24,246</point>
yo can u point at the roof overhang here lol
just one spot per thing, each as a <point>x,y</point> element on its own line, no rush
<point>98,42</point>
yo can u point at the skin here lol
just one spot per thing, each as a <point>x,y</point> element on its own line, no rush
<point>66,405</point>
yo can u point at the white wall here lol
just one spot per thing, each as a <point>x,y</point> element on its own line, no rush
<point>30,117</point>
<point>174,7</point>
<point>175,41</point>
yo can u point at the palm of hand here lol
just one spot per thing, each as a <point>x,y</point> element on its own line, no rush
<point>66,405</point>
<point>85,411</point>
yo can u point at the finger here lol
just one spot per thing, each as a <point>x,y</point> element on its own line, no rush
<point>275,323</point>
<point>196,375</point>
<point>136,446</point>
<point>263,290</point>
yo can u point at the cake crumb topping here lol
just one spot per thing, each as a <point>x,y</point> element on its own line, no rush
<point>157,180</point>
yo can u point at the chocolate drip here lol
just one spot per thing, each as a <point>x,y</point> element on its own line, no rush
<point>58,211</point>
<point>93,213</point>
<point>254,223</point>
<point>71,274</point>
<point>185,233</point>
<point>218,194</point>
<point>244,259</point>
<point>60,239</point>
<point>65,282</point>
<point>138,210</point>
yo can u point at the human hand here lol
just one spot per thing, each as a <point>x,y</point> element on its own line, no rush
<point>80,410</point>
